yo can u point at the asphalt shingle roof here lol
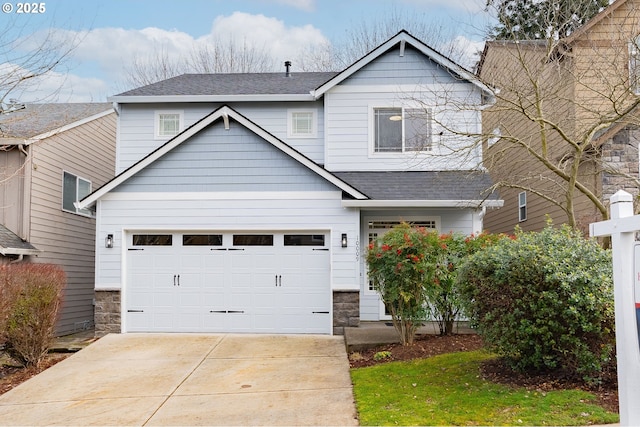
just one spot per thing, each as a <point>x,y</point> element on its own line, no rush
<point>10,242</point>
<point>36,119</point>
<point>235,84</point>
<point>419,185</point>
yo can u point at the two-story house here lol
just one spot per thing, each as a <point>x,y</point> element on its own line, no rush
<point>53,155</point>
<point>565,116</point>
<point>245,202</point>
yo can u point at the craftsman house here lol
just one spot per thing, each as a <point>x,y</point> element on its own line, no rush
<point>245,202</point>
<point>53,155</point>
<point>564,105</point>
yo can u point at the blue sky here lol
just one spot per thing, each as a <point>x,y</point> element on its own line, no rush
<point>114,32</point>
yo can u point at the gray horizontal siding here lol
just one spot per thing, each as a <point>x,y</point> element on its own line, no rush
<point>67,239</point>
<point>412,80</point>
<point>217,160</point>
<point>136,126</point>
<point>391,68</point>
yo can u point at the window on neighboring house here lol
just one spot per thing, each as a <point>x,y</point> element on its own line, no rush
<point>634,65</point>
<point>400,130</point>
<point>168,123</point>
<point>522,206</point>
<point>74,189</point>
<point>302,124</point>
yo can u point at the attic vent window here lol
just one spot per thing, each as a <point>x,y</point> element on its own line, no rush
<point>168,123</point>
<point>302,123</point>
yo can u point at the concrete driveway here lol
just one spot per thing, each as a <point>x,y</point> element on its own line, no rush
<point>191,379</point>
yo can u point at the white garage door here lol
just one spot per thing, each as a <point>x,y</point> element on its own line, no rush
<point>228,282</point>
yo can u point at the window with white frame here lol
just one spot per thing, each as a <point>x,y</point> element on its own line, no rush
<point>522,206</point>
<point>400,130</point>
<point>74,189</point>
<point>634,65</point>
<point>168,123</point>
<point>302,124</point>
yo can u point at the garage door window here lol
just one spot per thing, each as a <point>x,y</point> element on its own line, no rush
<point>152,240</point>
<point>304,240</point>
<point>253,240</point>
<point>202,240</point>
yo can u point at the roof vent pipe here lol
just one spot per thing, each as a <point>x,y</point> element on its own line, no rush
<point>287,66</point>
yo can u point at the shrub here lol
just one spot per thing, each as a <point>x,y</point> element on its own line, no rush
<point>33,295</point>
<point>398,268</point>
<point>543,301</point>
<point>449,252</point>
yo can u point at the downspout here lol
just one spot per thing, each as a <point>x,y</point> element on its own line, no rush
<point>25,201</point>
<point>17,260</point>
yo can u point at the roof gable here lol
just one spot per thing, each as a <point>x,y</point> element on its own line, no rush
<point>224,114</point>
<point>225,160</point>
<point>400,41</point>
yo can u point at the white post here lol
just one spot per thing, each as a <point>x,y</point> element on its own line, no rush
<point>622,228</point>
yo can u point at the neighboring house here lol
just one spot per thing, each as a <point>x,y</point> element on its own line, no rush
<point>51,156</point>
<point>245,202</point>
<point>580,92</point>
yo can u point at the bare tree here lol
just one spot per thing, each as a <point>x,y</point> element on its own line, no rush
<point>220,56</point>
<point>369,33</point>
<point>27,58</point>
<point>557,102</point>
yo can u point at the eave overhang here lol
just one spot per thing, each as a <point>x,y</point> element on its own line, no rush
<point>210,98</point>
<point>475,204</point>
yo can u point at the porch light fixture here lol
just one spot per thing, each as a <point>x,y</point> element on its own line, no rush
<point>395,118</point>
<point>344,240</point>
<point>108,242</point>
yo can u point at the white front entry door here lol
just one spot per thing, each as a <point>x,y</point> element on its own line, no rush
<point>228,282</point>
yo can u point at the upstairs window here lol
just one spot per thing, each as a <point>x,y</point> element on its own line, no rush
<point>74,189</point>
<point>302,124</point>
<point>401,130</point>
<point>522,206</point>
<point>168,124</point>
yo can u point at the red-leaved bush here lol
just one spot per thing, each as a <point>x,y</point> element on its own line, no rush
<point>30,298</point>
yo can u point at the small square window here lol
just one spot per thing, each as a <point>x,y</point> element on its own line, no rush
<point>74,189</point>
<point>302,124</point>
<point>168,123</point>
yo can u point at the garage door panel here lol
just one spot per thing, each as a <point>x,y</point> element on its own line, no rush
<point>260,287</point>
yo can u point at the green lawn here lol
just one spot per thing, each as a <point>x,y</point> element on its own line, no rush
<point>448,390</point>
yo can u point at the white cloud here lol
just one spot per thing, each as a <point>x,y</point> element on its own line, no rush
<point>306,5</point>
<point>108,51</point>
<point>471,6</point>
<point>57,87</point>
<point>282,42</point>
<point>467,51</point>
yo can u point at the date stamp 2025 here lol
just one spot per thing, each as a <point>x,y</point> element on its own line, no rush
<point>24,8</point>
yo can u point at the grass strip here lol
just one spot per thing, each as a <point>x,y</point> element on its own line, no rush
<point>448,390</point>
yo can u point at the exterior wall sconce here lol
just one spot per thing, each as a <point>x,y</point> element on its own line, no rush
<point>108,242</point>
<point>343,240</point>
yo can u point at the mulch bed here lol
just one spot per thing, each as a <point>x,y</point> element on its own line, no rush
<point>494,370</point>
<point>12,376</point>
